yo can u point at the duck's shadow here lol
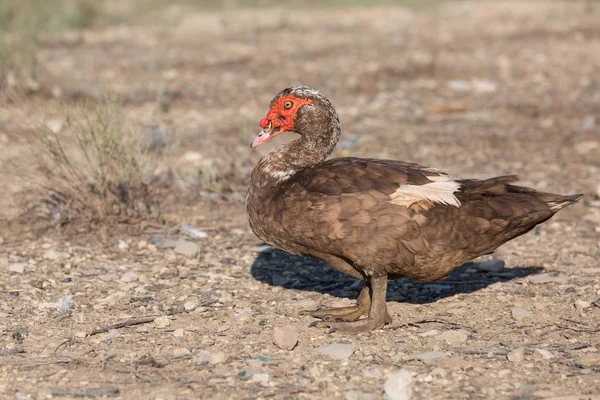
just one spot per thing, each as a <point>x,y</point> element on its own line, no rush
<point>278,268</point>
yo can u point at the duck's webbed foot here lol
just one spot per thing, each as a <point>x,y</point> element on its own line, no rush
<point>377,316</point>
<point>352,313</point>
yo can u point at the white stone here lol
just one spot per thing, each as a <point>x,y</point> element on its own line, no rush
<point>516,355</point>
<point>545,354</point>
<point>181,352</point>
<point>338,351</point>
<point>188,249</point>
<point>398,386</point>
<point>583,304</point>
<point>129,276</point>
<point>189,305</point>
<point>17,268</point>
<point>178,332</point>
<point>261,378</point>
<point>454,337</point>
<point>520,314</point>
<point>162,322</point>
<point>218,358</point>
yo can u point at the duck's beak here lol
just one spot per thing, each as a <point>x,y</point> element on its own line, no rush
<point>268,132</point>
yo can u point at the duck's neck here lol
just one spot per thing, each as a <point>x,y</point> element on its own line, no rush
<point>283,162</point>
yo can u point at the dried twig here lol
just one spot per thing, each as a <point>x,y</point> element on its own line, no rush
<point>142,320</point>
<point>496,352</point>
<point>432,321</point>
<point>93,393</point>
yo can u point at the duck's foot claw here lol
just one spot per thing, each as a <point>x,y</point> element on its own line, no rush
<point>350,327</point>
<point>337,314</point>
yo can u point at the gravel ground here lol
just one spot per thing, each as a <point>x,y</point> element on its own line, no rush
<point>477,89</point>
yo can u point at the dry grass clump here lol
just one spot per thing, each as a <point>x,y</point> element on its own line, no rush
<point>95,169</point>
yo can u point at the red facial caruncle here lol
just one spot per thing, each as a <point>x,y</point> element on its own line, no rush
<point>280,118</point>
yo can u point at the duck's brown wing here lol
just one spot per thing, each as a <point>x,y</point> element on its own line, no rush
<point>345,207</point>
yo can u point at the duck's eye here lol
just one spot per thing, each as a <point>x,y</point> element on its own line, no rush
<point>287,105</point>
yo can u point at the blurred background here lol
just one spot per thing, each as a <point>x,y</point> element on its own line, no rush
<point>139,108</point>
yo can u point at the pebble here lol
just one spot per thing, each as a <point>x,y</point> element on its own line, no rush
<point>431,355</point>
<point>181,352</point>
<point>112,299</point>
<point>496,265</point>
<point>162,322</point>
<point>548,278</point>
<point>339,351</point>
<point>52,255</point>
<point>545,354</point>
<point>261,378</point>
<point>516,355</point>
<point>202,357</point>
<point>189,305</point>
<point>188,249</point>
<point>454,337</point>
<point>17,268</point>
<point>142,244</point>
<point>123,245</point>
<point>178,332</point>
<point>129,276</point>
<point>285,338</point>
<point>398,386</point>
<point>218,358</point>
<point>80,335</point>
<point>583,304</point>
<point>520,314</point>
<point>590,360</point>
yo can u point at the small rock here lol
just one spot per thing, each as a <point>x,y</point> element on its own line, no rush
<point>516,355</point>
<point>178,332</point>
<point>123,245</point>
<point>163,242</point>
<point>162,322</point>
<point>188,249</point>
<point>398,385</point>
<point>338,351</point>
<point>496,265</point>
<point>548,278</point>
<point>454,337</point>
<point>202,357</point>
<point>1,240</point>
<point>431,355</point>
<point>17,268</point>
<point>129,276</point>
<point>285,338</point>
<point>261,378</point>
<point>545,354</point>
<point>52,255</point>
<point>65,303</point>
<point>218,358</point>
<point>582,304</point>
<point>520,314</point>
<point>189,305</point>
<point>112,299</point>
<point>142,244</point>
<point>181,352</point>
<point>80,335</point>
<point>589,360</point>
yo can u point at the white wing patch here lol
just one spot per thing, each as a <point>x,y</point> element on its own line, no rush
<point>440,191</point>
